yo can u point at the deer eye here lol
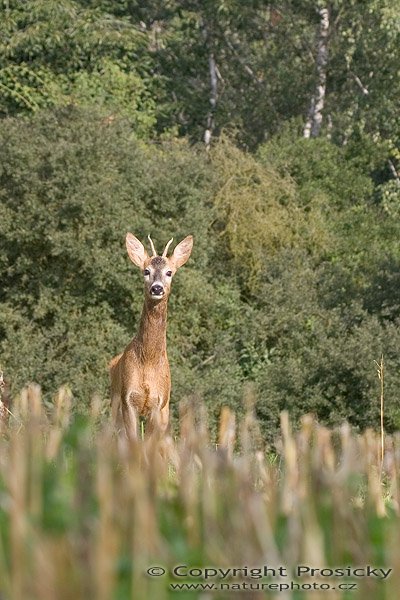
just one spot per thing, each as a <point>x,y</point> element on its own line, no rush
<point>169,273</point>
<point>146,272</point>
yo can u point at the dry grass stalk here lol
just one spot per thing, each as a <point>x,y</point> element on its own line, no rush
<point>86,517</point>
<point>227,431</point>
<point>381,376</point>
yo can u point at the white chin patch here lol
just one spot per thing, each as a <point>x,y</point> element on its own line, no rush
<point>157,297</point>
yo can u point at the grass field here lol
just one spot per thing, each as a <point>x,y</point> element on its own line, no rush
<point>85,517</point>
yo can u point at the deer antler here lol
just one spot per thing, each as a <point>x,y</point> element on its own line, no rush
<point>152,246</point>
<point>167,246</point>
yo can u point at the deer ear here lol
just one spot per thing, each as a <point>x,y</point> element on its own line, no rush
<point>136,250</point>
<point>182,252</point>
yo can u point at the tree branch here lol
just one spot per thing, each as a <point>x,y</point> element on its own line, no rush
<point>359,83</point>
<point>394,172</point>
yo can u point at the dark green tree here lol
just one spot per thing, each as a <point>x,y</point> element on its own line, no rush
<point>58,53</point>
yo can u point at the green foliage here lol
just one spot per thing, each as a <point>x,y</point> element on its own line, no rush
<point>150,61</point>
<point>321,169</point>
<point>265,53</point>
<point>58,53</point>
<point>332,313</point>
<point>293,282</point>
<point>260,214</point>
<point>389,197</point>
<point>324,342</point>
<point>71,187</point>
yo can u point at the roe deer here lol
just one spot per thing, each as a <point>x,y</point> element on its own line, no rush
<point>140,376</point>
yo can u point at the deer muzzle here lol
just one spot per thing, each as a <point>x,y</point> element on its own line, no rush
<point>157,291</point>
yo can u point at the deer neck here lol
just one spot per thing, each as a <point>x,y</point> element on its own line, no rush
<point>152,334</point>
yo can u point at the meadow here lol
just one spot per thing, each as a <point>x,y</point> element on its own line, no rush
<point>83,515</point>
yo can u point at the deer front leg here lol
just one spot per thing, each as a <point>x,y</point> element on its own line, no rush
<point>130,418</point>
<point>116,412</point>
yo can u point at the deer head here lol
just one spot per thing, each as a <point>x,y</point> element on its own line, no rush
<point>157,270</point>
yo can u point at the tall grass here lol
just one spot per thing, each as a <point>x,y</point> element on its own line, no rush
<point>83,516</point>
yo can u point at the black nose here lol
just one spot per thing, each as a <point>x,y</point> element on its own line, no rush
<point>157,290</point>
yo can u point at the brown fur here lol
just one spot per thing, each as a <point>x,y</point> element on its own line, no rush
<point>140,375</point>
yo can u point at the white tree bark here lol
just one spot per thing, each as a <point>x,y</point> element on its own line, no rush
<point>314,119</point>
<point>213,79</point>
<point>213,100</point>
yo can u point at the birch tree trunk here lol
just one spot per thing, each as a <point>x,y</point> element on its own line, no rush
<point>213,100</point>
<point>314,119</point>
<point>213,75</point>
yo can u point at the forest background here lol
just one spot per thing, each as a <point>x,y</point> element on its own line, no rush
<point>268,130</point>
